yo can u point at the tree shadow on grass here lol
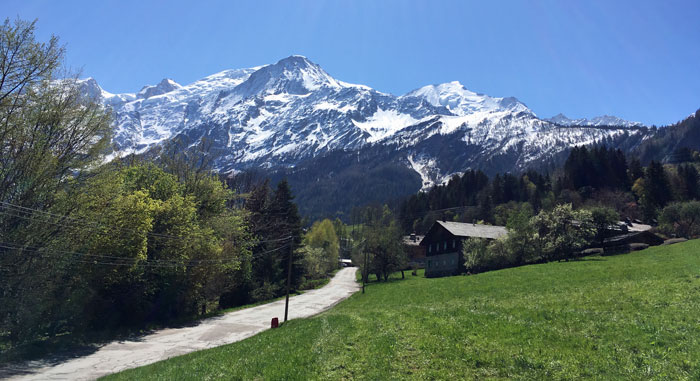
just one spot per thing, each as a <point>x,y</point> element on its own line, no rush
<point>395,277</point>
<point>596,258</point>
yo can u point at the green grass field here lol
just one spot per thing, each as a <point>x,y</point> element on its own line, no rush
<point>633,316</point>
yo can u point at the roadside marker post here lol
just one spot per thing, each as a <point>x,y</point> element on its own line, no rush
<point>289,279</point>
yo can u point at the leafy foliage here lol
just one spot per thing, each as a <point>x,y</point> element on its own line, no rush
<point>87,248</point>
<point>321,249</point>
<point>603,218</point>
<point>562,231</point>
<point>379,240</point>
<point>550,235</point>
<point>681,219</point>
<point>476,255</point>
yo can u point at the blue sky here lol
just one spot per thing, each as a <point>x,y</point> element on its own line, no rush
<point>639,60</point>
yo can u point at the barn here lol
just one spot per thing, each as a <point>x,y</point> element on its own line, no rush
<point>443,245</point>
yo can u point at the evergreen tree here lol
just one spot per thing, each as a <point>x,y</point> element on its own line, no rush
<point>653,190</point>
<point>288,224</point>
<point>635,170</point>
<point>689,188</point>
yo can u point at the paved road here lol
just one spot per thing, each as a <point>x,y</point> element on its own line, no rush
<point>213,332</point>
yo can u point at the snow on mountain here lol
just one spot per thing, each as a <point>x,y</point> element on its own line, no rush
<point>165,86</point>
<point>160,112</point>
<point>460,101</point>
<point>281,114</point>
<point>384,123</point>
<point>92,90</point>
<point>604,120</point>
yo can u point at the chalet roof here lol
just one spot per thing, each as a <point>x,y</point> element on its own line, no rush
<point>622,227</point>
<point>461,229</point>
<point>413,240</point>
<point>634,227</point>
<point>631,236</point>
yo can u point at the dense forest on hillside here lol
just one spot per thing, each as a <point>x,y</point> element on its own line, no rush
<point>331,185</point>
<point>590,177</point>
<point>674,143</point>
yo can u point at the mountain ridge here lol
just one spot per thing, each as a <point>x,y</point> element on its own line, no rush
<point>277,116</point>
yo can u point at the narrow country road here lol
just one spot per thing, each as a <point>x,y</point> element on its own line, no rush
<point>166,343</point>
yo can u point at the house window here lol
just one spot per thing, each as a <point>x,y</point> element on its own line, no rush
<point>444,245</point>
<point>454,243</point>
<point>428,263</point>
<point>430,248</point>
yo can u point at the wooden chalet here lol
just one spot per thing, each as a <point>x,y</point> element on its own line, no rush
<point>443,245</point>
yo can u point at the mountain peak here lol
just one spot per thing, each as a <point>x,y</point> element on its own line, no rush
<point>295,62</point>
<point>295,57</point>
<point>462,101</point>
<point>293,75</point>
<point>604,120</point>
<point>167,82</point>
<point>91,89</point>
<point>164,86</point>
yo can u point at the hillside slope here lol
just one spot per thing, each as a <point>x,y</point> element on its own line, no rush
<point>630,316</point>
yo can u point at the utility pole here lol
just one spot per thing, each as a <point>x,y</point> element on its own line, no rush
<point>365,273</point>
<point>289,278</point>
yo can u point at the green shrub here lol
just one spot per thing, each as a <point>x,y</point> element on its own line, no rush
<point>266,291</point>
<point>563,231</point>
<point>481,255</point>
<point>475,252</point>
<point>681,219</point>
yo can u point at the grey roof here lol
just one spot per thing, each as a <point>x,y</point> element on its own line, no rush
<point>623,226</point>
<point>409,242</point>
<point>461,229</point>
<point>634,227</point>
<point>623,237</point>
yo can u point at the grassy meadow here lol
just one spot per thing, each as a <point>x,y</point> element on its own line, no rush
<point>632,316</point>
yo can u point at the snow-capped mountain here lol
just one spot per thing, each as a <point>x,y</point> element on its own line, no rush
<point>285,115</point>
<point>461,101</point>
<point>165,86</point>
<point>598,121</point>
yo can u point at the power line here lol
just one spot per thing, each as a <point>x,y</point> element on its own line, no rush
<point>121,261</point>
<point>76,221</point>
<point>422,214</point>
<point>15,209</point>
<point>413,216</point>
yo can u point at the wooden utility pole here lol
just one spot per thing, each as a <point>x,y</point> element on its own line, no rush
<point>289,278</point>
<point>365,273</point>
